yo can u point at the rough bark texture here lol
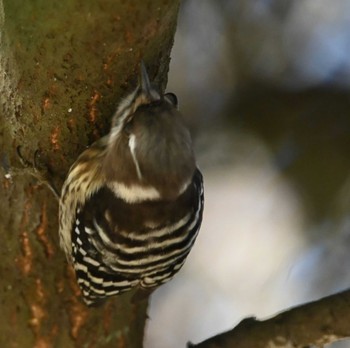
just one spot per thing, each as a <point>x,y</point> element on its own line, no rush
<point>63,67</point>
<point>314,324</point>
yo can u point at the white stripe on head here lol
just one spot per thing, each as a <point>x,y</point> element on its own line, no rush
<point>126,107</point>
<point>132,146</point>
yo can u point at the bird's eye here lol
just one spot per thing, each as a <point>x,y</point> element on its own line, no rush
<point>171,98</point>
<point>128,127</point>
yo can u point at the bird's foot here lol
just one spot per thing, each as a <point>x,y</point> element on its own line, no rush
<point>38,170</point>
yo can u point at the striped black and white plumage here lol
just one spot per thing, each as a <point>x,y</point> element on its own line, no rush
<point>131,205</point>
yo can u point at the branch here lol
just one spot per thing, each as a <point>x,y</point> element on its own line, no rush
<point>312,324</point>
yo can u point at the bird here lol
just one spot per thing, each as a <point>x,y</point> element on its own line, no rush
<point>131,205</point>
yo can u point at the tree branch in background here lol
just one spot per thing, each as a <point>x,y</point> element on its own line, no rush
<point>313,324</point>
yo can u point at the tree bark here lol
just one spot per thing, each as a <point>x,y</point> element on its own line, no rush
<point>63,67</point>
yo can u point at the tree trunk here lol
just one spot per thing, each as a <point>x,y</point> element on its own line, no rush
<point>63,67</point>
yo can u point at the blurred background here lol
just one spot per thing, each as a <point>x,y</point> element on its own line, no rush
<point>265,87</point>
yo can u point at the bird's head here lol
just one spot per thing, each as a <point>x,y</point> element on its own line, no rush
<point>149,144</point>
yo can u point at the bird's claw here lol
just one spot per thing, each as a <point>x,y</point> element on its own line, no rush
<point>41,173</point>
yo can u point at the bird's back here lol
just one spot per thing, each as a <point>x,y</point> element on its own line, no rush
<point>119,245</point>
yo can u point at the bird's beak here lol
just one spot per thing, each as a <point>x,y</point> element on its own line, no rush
<point>145,82</point>
<point>146,87</point>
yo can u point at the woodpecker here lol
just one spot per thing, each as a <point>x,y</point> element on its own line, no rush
<point>131,205</point>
